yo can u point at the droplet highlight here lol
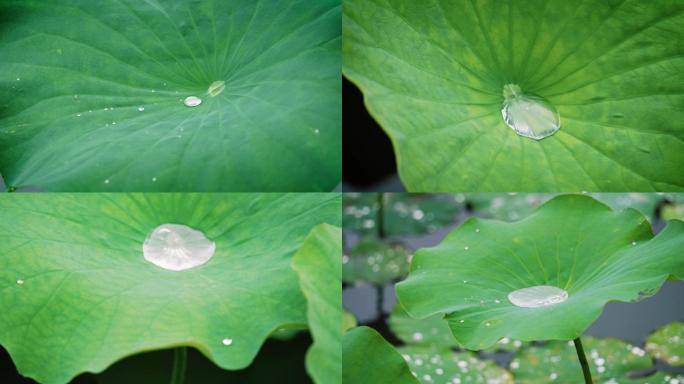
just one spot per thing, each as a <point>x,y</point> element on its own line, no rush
<point>141,109</point>
<point>529,115</point>
<point>177,247</point>
<point>216,88</point>
<point>20,282</point>
<point>227,342</point>
<point>537,296</point>
<point>192,101</point>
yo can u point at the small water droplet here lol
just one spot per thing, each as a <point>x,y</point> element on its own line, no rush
<point>487,324</point>
<point>18,78</point>
<point>439,371</point>
<point>417,336</point>
<point>113,122</point>
<point>461,321</point>
<point>317,131</point>
<point>216,88</point>
<point>227,342</point>
<point>106,181</point>
<point>477,230</point>
<point>20,281</point>
<point>537,296</point>
<point>154,179</point>
<point>497,301</point>
<point>633,242</point>
<point>177,247</point>
<point>529,115</point>
<point>78,115</point>
<point>466,248</point>
<point>141,109</point>
<point>192,101</point>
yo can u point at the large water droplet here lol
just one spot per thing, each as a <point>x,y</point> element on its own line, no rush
<point>537,296</point>
<point>177,247</point>
<point>216,87</point>
<point>192,101</point>
<point>529,115</point>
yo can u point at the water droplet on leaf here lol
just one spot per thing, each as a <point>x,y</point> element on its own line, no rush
<point>227,341</point>
<point>528,115</point>
<point>537,296</point>
<point>177,247</point>
<point>216,88</point>
<point>141,109</point>
<point>192,101</point>
<point>20,281</point>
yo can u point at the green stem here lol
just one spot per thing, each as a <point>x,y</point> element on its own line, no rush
<point>381,215</point>
<point>583,361</point>
<point>180,358</point>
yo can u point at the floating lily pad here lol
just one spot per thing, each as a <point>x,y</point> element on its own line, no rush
<point>403,213</point>
<point>376,261</point>
<point>76,293</point>
<point>547,276</point>
<point>602,81</point>
<point>370,359</point>
<point>610,361</point>
<point>433,330</point>
<point>319,268</point>
<point>441,365</point>
<point>667,344</point>
<point>94,95</point>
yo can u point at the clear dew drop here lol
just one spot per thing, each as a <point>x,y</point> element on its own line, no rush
<point>106,181</point>
<point>20,282</point>
<point>177,247</point>
<point>227,342</point>
<point>537,296</point>
<point>192,101</point>
<point>528,115</point>
<point>216,88</point>
<point>141,109</point>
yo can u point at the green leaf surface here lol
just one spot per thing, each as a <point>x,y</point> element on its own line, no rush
<point>76,293</point>
<point>441,365</point>
<point>319,268</point>
<point>92,95</point>
<point>667,344</point>
<point>403,213</point>
<point>433,330</point>
<point>610,361</point>
<point>370,359</point>
<point>433,74</point>
<point>376,261</point>
<point>572,242</point>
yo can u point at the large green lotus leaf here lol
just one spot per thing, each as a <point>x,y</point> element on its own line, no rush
<point>433,330</point>
<point>370,359</point>
<point>572,242</point>
<point>92,95</point>
<point>431,364</point>
<point>403,213</point>
<point>667,343</point>
<point>319,268</point>
<point>610,361</point>
<point>433,73</point>
<point>76,293</point>
<point>376,261</point>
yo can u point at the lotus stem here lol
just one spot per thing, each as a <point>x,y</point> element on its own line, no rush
<point>379,299</point>
<point>583,361</point>
<point>180,358</point>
